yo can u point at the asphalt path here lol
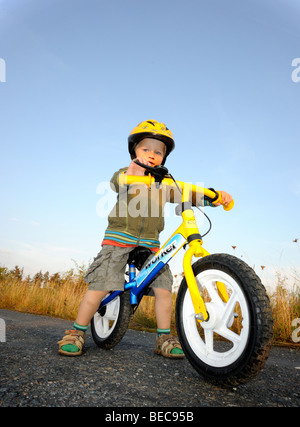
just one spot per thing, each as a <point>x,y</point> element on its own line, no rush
<point>32,373</point>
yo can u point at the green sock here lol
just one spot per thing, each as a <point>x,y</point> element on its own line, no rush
<point>163,331</point>
<point>72,348</point>
<point>168,331</point>
<point>80,327</point>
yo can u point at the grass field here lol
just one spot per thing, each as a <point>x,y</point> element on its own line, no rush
<point>59,295</point>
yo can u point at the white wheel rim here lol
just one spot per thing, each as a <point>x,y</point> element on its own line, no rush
<point>206,344</point>
<point>104,325</point>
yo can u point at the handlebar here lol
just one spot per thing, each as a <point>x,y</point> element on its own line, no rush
<point>159,171</point>
<point>160,174</point>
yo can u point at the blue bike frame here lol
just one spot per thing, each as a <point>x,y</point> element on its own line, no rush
<point>137,283</point>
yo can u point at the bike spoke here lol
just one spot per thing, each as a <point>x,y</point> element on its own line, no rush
<point>229,335</point>
<point>228,309</point>
<point>209,341</point>
<point>111,312</point>
<point>105,324</point>
<point>213,293</point>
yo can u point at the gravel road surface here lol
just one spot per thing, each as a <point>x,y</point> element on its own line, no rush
<point>32,373</point>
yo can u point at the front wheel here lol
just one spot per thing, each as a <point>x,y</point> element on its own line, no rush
<point>232,346</point>
<point>108,326</point>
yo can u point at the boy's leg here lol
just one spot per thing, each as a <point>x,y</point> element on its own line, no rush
<point>89,306</point>
<point>163,307</point>
<point>87,309</point>
<point>163,311</point>
<point>107,268</point>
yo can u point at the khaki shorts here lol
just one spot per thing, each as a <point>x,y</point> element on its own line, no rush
<point>106,273</point>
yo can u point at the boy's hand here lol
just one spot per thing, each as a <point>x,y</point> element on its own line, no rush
<point>226,199</point>
<point>134,169</point>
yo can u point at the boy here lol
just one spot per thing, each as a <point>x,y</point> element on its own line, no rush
<point>150,143</point>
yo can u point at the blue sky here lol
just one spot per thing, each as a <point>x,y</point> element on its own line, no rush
<point>81,74</point>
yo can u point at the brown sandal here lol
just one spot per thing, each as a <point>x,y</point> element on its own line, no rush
<point>165,343</point>
<point>75,338</point>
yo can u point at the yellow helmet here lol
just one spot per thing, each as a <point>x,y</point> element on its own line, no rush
<point>151,129</point>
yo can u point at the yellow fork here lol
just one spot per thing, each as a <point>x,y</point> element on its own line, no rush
<point>197,300</point>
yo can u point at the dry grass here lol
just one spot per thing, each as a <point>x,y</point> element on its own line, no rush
<point>60,295</point>
<point>56,295</point>
<point>285,302</point>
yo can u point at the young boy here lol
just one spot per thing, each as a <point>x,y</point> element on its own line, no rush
<point>150,143</point>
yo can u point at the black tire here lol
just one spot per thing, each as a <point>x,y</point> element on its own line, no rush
<point>110,324</point>
<point>247,353</point>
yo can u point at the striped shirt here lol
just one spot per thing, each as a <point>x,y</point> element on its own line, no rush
<point>123,239</point>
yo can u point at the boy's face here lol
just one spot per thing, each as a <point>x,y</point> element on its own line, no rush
<point>151,150</point>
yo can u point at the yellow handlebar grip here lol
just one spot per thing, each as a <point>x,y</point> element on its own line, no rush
<point>229,206</point>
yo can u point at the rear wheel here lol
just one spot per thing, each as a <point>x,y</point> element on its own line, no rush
<point>232,346</point>
<point>108,326</point>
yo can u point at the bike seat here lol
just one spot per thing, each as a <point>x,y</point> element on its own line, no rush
<point>138,256</point>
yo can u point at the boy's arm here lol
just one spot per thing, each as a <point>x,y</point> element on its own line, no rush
<point>132,169</point>
<point>114,182</point>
